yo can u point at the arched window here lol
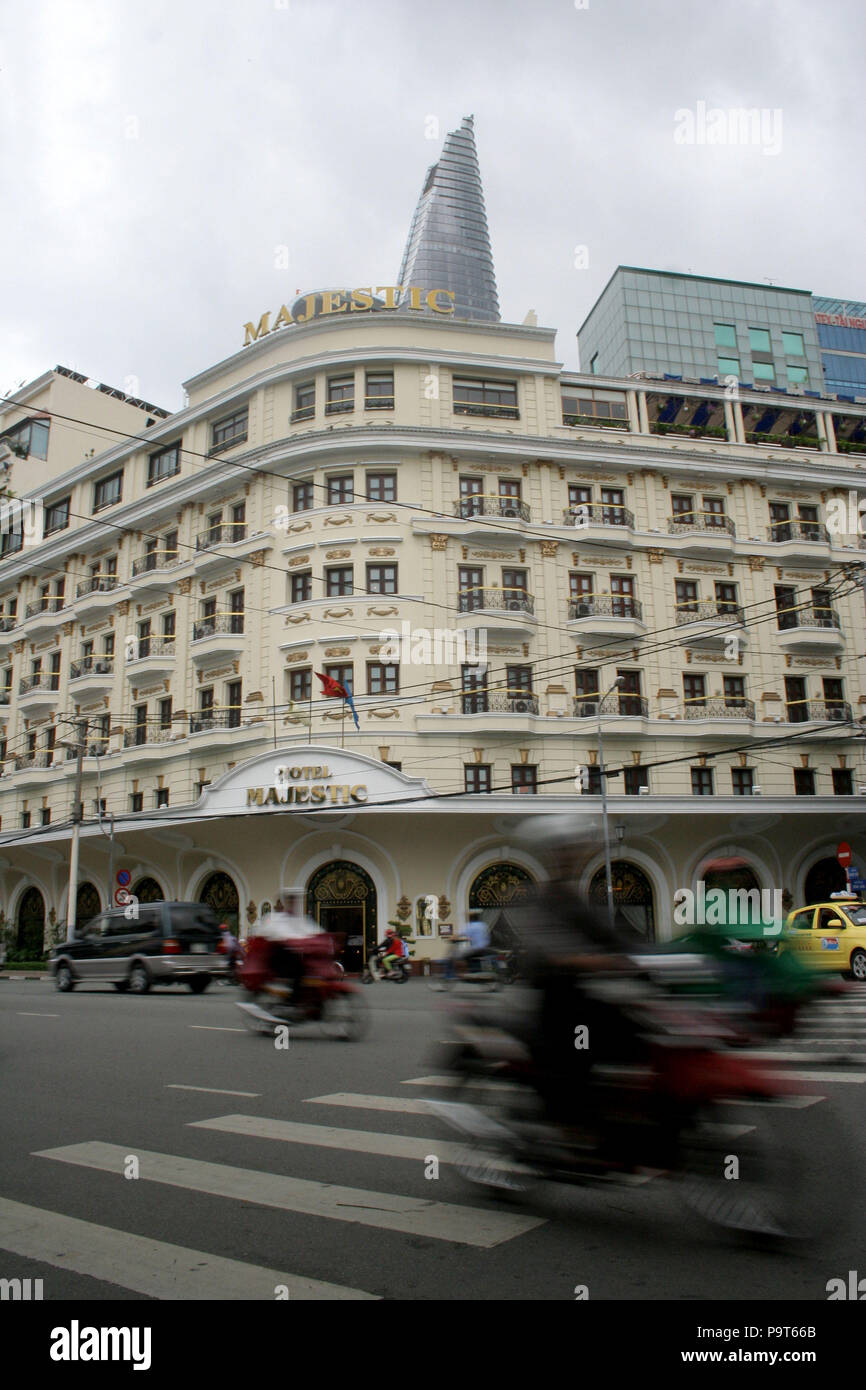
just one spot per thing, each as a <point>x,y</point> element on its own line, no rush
<point>31,923</point>
<point>220,893</point>
<point>500,886</point>
<point>147,890</point>
<point>824,878</point>
<point>87,904</point>
<point>632,895</point>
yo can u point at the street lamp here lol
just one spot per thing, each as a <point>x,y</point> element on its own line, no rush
<point>620,680</point>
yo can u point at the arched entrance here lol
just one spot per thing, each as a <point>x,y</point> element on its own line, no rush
<point>341,897</point>
<point>824,878</point>
<point>147,890</point>
<point>87,904</point>
<point>632,895</point>
<point>220,893</point>
<point>730,877</point>
<point>31,924</point>
<point>497,891</point>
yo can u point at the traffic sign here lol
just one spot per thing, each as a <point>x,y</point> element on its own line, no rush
<point>843,854</point>
<point>123,878</point>
<point>121,897</point>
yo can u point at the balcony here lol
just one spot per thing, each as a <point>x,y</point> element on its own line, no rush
<point>220,544</point>
<point>709,620</point>
<point>817,628</point>
<point>149,656</point>
<point>599,519</point>
<point>36,762</point>
<point>343,407</point>
<point>228,534</point>
<point>91,673</point>
<point>621,706</point>
<point>685,417</point>
<point>498,702</point>
<point>303,412</point>
<point>799,539</point>
<point>143,739</point>
<point>96,595</point>
<point>593,422</point>
<point>606,615</point>
<point>493,504</point>
<point>5,696</point>
<point>8,626</point>
<point>489,412</point>
<point>155,570</point>
<point>701,533</point>
<point>41,691</point>
<point>719,709</point>
<point>819,712</point>
<point>509,611</point>
<point>97,748</point>
<point>42,615</point>
<point>215,721</point>
<point>221,635</point>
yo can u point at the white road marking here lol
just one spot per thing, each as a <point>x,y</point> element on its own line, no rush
<point>149,1267</point>
<point>211,1028</point>
<point>332,1137</point>
<point>479,1083</point>
<point>22,1014</point>
<point>211,1090</point>
<point>856,1077</point>
<point>785,1102</point>
<point>395,1103</point>
<point>386,1210</point>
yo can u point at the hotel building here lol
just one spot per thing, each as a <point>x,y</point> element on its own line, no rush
<point>395,468</point>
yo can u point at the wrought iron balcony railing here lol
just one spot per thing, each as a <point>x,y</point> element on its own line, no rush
<point>8,624</point>
<point>48,604</point>
<point>688,523</point>
<point>97,584</point>
<point>228,534</point>
<point>499,702</point>
<point>341,407</point>
<point>221,622</point>
<point>598,514</point>
<point>797,530</point>
<point>154,560</point>
<point>214,719</point>
<point>493,412</point>
<point>91,666</point>
<point>44,680</point>
<point>719,709</point>
<point>494,504</point>
<point>506,600</point>
<point>140,648</point>
<point>378,402</point>
<point>708,610</point>
<point>5,695</point>
<point>627,706</point>
<point>145,733</point>
<point>43,758</point>
<point>802,711</point>
<point>604,606</point>
<point>788,618</point>
<point>303,412</point>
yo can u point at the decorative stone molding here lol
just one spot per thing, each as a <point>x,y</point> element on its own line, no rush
<point>300,526</point>
<point>295,618</point>
<point>68,629</point>
<point>299,560</point>
<point>381,516</point>
<point>337,554</point>
<point>756,562</point>
<point>656,556</point>
<point>184,586</point>
<point>382,550</point>
<point>381,612</point>
<point>338,651</point>
<point>297,656</point>
<point>438,542</point>
<point>549,549</point>
<point>384,713</point>
<point>338,613</point>
<point>123,608</point>
<point>491,554</point>
<point>257,559</point>
<point>338,521</point>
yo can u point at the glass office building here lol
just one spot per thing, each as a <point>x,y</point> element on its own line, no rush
<point>841,326</point>
<point>657,322</point>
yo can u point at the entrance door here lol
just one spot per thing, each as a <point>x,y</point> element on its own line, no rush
<point>347,924</point>
<point>341,897</point>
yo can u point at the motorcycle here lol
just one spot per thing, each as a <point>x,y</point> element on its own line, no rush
<point>487,972</point>
<point>323,994</point>
<point>374,970</point>
<point>677,1112</point>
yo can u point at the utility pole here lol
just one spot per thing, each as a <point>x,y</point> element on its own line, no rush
<point>607,865</point>
<point>72,894</point>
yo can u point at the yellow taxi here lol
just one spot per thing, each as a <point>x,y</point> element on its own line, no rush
<point>829,936</point>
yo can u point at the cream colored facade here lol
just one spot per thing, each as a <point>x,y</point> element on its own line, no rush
<point>556,590</point>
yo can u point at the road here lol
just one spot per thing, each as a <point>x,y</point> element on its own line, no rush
<point>302,1170</point>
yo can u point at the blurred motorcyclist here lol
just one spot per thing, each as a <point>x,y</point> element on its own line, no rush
<point>287,924</point>
<point>569,944</point>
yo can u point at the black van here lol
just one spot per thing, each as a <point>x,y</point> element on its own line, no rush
<point>162,944</point>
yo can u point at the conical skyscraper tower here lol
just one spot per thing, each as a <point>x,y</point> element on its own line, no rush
<point>449,246</point>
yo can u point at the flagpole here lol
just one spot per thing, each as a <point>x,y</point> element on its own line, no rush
<point>343,725</point>
<point>311,708</point>
<point>274,700</point>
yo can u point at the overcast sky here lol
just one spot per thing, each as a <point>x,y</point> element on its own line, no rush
<point>157,156</point>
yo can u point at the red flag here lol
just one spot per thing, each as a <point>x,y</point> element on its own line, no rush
<point>332,687</point>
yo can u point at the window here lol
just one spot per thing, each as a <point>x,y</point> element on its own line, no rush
<point>161,797</point>
<point>780,521</point>
<point>797,376</point>
<point>792,344</point>
<point>236,610</point>
<point>843,781</point>
<point>379,391</point>
<point>694,693</point>
<point>764,371</point>
<point>99,805</point>
<point>234,694</point>
<point>591,406</point>
<point>341,490</point>
<point>726,599</point>
<point>714,511</point>
<point>339,581</point>
<point>726,335</point>
<point>796,704</point>
<point>238,522</point>
<point>613,506</point>
<point>46,815</point>
<point>165,714</point>
<point>524,779</point>
<point>139,731</point>
<point>742,780</point>
<point>382,679</point>
<point>54,671</point>
<point>735,690</point>
<point>804,781</point>
<point>343,674</point>
<point>474,685</point>
<point>231,429</point>
<point>168,624</point>
<point>578,497</point>
<point>341,395</point>
<point>630,701</point>
<point>635,778</point>
<point>382,579</point>
<point>490,398</point>
<point>471,498</point>
<point>57,516</point>
<point>107,491</point>
<point>476,777</point>
<point>514,589</point>
<point>702,781</point>
<point>302,586</point>
<point>302,497</point>
<point>622,596</point>
<point>586,691</point>
<point>305,403</point>
<point>729,366</point>
<point>29,439</point>
<point>300,684</point>
<point>810,526</point>
<point>686,591</point>
<point>143,629</point>
<point>834,697</point>
<point>509,497</point>
<point>470,586</point>
<point>136,801</point>
<point>759,340</point>
<point>25,820</point>
<point>822,607</point>
<point>682,508</point>
<point>165,464</point>
<point>580,587</point>
<point>381,487</point>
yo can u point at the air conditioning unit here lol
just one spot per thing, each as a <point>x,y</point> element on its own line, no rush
<point>521,706</point>
<point>643,791</point>
<point>583,610</point>
<point>756,791</point>
<point>515,605</point>
<point>103,668</point>
<point>862,791</point>
<point>509,511</point>
<point>836,714</point>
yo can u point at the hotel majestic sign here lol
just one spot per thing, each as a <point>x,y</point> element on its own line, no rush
<point>298,785</point>
<point>325,302</point>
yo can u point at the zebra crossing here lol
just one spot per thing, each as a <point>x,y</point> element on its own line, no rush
<point>830,1032</point>
<point>160,1269</point>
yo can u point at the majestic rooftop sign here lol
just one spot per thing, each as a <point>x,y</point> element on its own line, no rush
<point>322,302</point>
<point>841,320</point>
